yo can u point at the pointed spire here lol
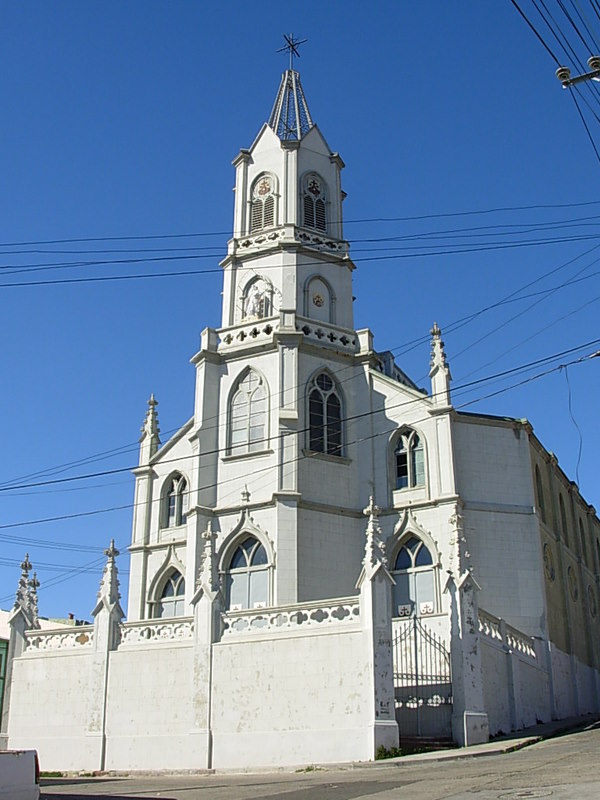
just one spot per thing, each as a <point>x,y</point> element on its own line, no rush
<point>34,585</point>
<point>109,584</point>
<point>23,600</point>
<point>439,370</point>
<point>149,440</point>
<point>290,117</point>
<point>374,547</point>
<point>208,578</point>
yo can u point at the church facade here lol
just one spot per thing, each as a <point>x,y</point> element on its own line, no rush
<point>325,558</point>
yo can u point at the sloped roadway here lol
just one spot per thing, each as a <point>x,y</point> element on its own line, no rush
<point>566,767</point>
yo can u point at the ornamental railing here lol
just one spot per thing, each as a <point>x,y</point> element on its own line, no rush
<point>251,330</point>
<point>76,638</point>
<point>179,629</point>
<point>300,616</point>
<point>496,630</point>
<point>338,338</point>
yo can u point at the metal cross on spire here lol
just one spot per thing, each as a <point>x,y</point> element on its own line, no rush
<point>291,45</point>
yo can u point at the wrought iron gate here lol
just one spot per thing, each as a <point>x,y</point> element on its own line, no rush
<point>422,680</point>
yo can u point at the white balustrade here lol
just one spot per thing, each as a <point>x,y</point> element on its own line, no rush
<point>178,629</point>
<point>327,613</point>
<point>76,638</point>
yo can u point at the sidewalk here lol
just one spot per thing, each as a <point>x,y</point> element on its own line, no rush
<point>502,744</point>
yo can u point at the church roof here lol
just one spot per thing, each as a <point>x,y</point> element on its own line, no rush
<point>290,117</point>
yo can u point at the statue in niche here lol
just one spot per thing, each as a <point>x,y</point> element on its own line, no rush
<point>255,301</point>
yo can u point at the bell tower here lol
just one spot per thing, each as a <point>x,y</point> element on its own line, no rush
<point>288,252</point>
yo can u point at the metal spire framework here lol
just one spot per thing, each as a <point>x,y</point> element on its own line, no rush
<point>290,117</point>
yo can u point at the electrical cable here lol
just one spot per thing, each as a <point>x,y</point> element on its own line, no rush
<point>537,34</point>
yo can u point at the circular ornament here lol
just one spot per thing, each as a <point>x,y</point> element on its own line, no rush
<point>549,563</point>
<point>318,300</point>
<point>264,187</point>
<point>592,601</point>
<point>314,187</point>
<point>572,581</point>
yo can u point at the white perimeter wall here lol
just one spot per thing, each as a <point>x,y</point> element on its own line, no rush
<point>292,700</point>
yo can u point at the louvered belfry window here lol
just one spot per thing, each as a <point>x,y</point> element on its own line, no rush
<point>263,204</point>
<point>314,204</point>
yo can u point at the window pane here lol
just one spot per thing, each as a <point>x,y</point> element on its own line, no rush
<point>401,468</point>
<point>259,587</point>
<point>239,559</point>
<point>238,589</point>
<point>418,464</point>
<point>324,382</point>
<point>403,559</point>
<point>334,425</point>
<point>424,587</point>
<point>259,557</point>
<point>423,558</point>
<point>169,589</point>
<point>316,422</point>
<point>401,591</point>
<point>179,608</point>
<point>179,585</point>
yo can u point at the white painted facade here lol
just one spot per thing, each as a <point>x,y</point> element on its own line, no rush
<point>265,625</point>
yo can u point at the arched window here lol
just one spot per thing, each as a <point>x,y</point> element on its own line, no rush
<point>175,502</point>
<point>563,519</point>
<point>583,545</point>
<point>263,204</point>
<point>172,599</point>
<point>409,460</point>
<point>414,592</point>
<point>248,416</point>
<point>540,493</point>
<point>314,203</point>
<point>324,416</point>
<point>248,576</point>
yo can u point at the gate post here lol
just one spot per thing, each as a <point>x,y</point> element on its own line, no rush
<point>375,584</point>
<point>469,718</point>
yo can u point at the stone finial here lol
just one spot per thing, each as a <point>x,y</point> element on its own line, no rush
<point>374,547</point>
<point>439,370</point>
<point>208,578</point>
<point>109,584</point>
<point>245,495</point>
<point>34,585</point>
<point>23,598</point>
<point>149,440</point>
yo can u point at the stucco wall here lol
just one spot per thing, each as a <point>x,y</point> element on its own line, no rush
<point>291,700</point>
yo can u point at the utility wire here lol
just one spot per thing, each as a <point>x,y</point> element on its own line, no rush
<point>536,33</point>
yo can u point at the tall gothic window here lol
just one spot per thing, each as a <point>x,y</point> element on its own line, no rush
<point>175,503</point>
<point>172,599</point>
<point>413,572</point>
<point>262,213</point>
<point>314,203</point>
<point>248,416</point>
<point>563,519</point>
<point>324,416</point>
<point>409,460</point>
<point>540,493</point>
<point>583,545</point>
<point>248,576</point>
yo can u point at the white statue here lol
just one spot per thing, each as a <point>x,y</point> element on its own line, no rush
<point>254,302</point>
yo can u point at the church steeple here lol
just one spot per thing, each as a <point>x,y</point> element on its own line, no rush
<point>290,117</point>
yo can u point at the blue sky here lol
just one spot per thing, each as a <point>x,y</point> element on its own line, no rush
<point>121,120</point>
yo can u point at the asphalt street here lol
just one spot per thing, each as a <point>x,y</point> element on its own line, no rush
<point>566,767</point>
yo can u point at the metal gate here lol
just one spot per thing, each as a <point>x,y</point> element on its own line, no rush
<point>422,681</point>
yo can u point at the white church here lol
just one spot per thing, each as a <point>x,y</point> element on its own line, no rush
<point>325,559</point>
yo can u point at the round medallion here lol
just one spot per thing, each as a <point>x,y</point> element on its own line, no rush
<point>314,187</point>
<point>572,581</point>
<point>264,186</point>
<point>592,601</point>
<point>549,563</point>
<point>318,300</point>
